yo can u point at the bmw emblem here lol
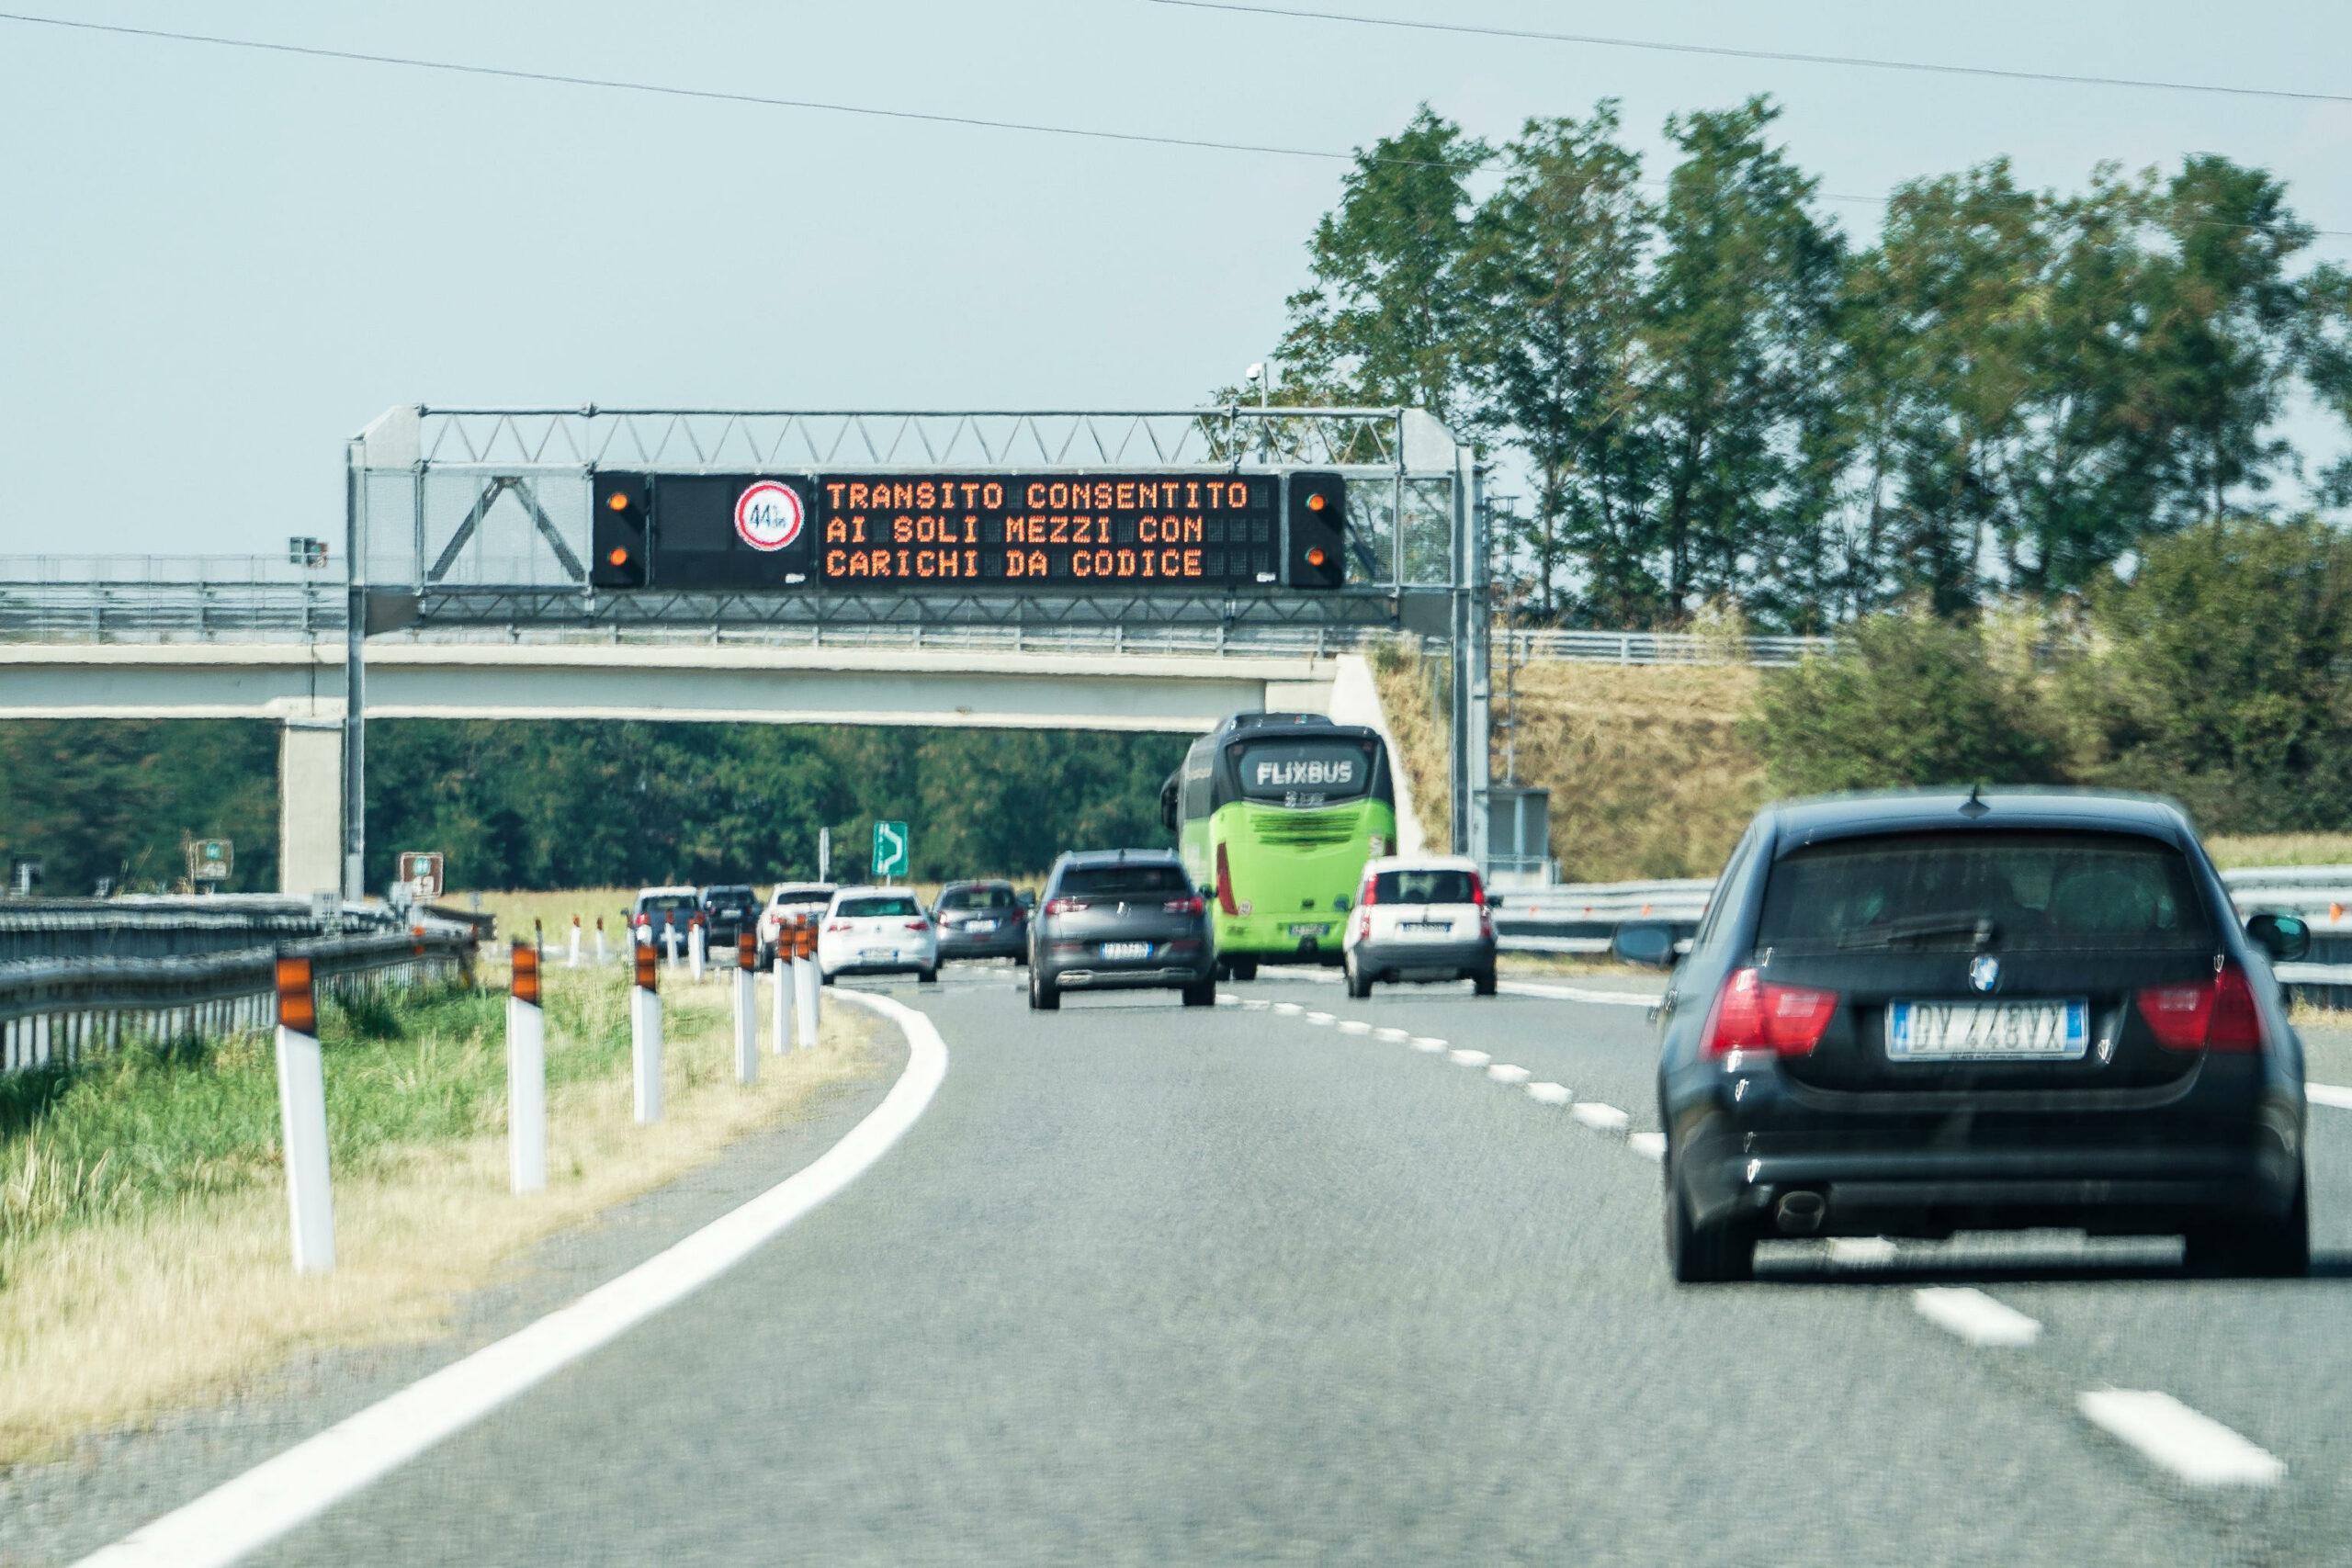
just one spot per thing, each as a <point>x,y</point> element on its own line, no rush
<point>1983,971</point>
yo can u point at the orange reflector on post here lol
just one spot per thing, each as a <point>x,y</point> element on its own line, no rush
<point>649,968</point>
<point>298,1008</point>
<point>747,949</point>
<point>526,983</point>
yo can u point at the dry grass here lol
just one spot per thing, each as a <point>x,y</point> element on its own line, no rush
<point>106,1321</point>
<point>2232,850</point>
<point>1403,677</point>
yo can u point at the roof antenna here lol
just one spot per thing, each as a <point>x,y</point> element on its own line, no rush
<point>1975,806</point>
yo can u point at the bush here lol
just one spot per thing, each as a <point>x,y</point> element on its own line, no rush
<point>2221,673</point>
<point>1906,699</point>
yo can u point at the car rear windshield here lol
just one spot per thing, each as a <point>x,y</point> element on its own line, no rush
<point>667,904</point>
<point>1423,887</point>
<point>729,897</point>
<point>1103,881</point>
<point>880,907</point>
<point>1306,773</point>
<point>997,897</point>
<point>2019,891</point>
<point>814,893</point>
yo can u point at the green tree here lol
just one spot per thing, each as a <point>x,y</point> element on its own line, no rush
<point>1737,368</point>
<point>1554,267</point>
<point>1386,319</point>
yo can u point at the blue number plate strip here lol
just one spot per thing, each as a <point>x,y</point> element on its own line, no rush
<point>1987,1032</point>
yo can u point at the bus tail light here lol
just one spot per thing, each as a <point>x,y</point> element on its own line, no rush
<point>1224,882</point>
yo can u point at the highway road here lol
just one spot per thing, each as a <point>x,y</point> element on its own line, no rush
<point>1307,1279</point>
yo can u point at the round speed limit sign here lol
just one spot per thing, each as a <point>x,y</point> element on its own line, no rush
<point>768,515</point>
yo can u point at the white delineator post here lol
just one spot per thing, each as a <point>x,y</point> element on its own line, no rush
<point>805,983</point>
<point>696,945</point>
<point>527,1073</point>
<point>782,999</point>
<point>571,958</point>
<point>645,1036</point>
<point>668,944</point>
<point>302,1117</point>
<point>747,1009</point>
<point>600,942</point>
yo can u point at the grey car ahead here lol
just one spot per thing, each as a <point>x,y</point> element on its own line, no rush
<point>1120,919</point>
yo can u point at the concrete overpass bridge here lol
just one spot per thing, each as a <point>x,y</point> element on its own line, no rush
<point>1102,679</point>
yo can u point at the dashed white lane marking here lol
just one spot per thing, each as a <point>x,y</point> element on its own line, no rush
<point>1354,1026</point>
<point>1861,1249</point>
<point>1605,1118</point>
<point>1649,1145</point>
<point>1549,1093</point>
<point>1468,1058</point>
<point>1429,1042</point>
<point>2329,1094</point>
<point>1975,1316</point>
<point>1392,1034</point>
<point>1227,999</point>
<point>237,1517</point>
<point>1289,1009</point>
<point>1256,1004</point>
<point>2197,1448</point>
<point>1504,1072</point>
<point>1318,1018</point>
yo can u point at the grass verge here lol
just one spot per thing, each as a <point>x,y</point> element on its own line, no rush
<point>143,1259</point>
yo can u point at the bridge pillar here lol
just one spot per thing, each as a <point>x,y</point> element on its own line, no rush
<point>310,806</point>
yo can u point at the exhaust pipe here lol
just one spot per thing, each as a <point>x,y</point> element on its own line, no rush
<point>1800,1214</point>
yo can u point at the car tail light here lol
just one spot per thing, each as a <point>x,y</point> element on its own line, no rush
<point>1192,906</point>
<point>1363,925</point>
<point>1369,893</point>
<point>1225,884</point>
<point>1064,906</point>
<point>917,925</point>
<point>1477,891</point>
<point>1752,1013</point>
<point>837,925</point>
<point>2217,1014</point>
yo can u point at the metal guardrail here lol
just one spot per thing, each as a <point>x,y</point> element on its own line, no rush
<point>1652,647</point>
<point>58,1010</point>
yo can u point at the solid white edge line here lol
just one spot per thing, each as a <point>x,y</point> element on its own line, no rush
<point>1549,1093</point>
<point>1975,1316</point>
<point>2329,1094</point>
<point>1579,994</point>
<point>1649,1145</point>
<point>1599,1117</point>
<point>244,1514</point>
<point>2197,1448</point>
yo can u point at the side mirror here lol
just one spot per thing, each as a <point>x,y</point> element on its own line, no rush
<point>1494,900</point>
<point>2285,937</point>
<point>1648,942</point>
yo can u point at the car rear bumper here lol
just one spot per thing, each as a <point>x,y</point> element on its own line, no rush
<point>1377,957</point>
<point>2152,1170</point>
<point>990,944</point>
<point>1093,974</point>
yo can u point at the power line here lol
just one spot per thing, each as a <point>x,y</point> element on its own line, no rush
<point>820,106</point>
<point>1727,52</point>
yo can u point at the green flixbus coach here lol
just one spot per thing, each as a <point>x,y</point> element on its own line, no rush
<point>1274,814</point>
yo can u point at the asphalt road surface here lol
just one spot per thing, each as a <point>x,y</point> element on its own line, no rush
<point>1303,1279</point>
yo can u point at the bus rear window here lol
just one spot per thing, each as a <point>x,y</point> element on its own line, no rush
<point>2027,891</point>
<point>1303,771</point>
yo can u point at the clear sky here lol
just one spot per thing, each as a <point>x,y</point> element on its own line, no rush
<point>216,265</point>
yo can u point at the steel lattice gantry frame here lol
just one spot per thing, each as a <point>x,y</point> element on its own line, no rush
<point>475,516</point>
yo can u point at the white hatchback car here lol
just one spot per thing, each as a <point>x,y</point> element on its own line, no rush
<point>1421,918</point>
<point>876,930</point>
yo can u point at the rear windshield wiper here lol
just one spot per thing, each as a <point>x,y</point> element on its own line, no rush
<point>1922,927</point>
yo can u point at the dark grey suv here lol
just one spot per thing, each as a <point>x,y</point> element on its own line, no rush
<point>1114,918</point>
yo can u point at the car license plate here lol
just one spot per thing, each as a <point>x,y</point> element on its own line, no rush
<point>1987,1032</point>
<point>1115,950</point>
<point>981,926</point>
<point>881,954</point>
<point>1308,930</point>
<point>1429,928</point>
